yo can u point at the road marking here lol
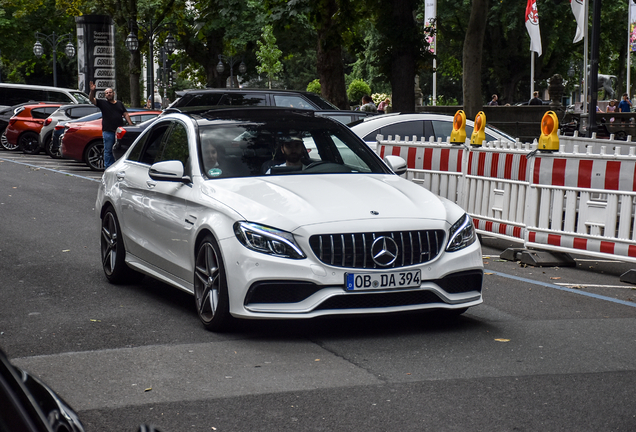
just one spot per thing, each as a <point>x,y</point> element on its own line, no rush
<point>596,286</point>
<point>51,169</point>
<point>570,290</point>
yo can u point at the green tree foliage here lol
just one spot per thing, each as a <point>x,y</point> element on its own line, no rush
<point>314,86</point>
<point>19,20</point>
<point>268,55</point>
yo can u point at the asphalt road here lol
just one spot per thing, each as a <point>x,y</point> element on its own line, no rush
<point>551,349</point>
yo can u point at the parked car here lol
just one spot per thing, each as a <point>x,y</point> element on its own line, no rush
<point>24,127</point>
<point>190,204</point>
<point>13,94</point>
<point>424,125</point>
<point>82,140</point>
<point>63,113</point>
<point>55,146</point>
<point>5,115</point>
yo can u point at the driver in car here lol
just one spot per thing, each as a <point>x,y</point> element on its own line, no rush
<point>294,151</point>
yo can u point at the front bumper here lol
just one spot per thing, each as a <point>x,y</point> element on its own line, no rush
<point>312,289</point>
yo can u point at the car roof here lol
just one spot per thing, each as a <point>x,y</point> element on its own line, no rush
<point>239,90</point>
<point>369,124</point>
<point>259,113</point>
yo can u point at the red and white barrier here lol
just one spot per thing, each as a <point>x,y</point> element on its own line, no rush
<point>581,199</point>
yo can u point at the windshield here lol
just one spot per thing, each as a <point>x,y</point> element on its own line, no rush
<point>246,150</point>
<point>81,98</point>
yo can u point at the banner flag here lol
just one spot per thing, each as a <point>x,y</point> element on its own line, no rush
<point>632,27</point>
<point>430,15</point>
<point>578,9</point>
<point>532,25</point>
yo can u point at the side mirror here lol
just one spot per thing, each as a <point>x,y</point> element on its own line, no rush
<point>396,163</point>
<point>168,171</point>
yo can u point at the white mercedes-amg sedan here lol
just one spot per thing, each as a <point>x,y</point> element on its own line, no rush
<point>230,206</point>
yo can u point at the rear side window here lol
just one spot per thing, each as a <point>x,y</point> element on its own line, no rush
<point>202,99</point>
<point>39,113</point>
<point>79,112</point>
<point>54,96</point>
<point>443,129</point>
<point>242,99</point>
<point>292,101</point>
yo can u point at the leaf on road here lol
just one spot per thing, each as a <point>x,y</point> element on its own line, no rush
<point>66,250</point>
<point>148,389</point>
<point>555,277</point>
<point>488,273</point>
<point>502,340</point>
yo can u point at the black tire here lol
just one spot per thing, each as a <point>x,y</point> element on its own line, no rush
<point>94,155</point>
<point>29,142</point>
<point>114,252</point>
<point>6,144</point>
<point>210,286</point>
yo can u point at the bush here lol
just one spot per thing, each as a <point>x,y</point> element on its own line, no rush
<point>314,86</point>
<point>379,97</point>
<point>356,90</point>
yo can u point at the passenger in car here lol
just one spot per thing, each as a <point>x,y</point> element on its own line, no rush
<point>211,155</point>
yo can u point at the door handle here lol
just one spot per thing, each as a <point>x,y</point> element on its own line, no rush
<point>151,184</point>
<point>121,175</point>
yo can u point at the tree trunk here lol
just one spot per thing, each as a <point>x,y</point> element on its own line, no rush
<point>403,56</point>
<point>329,65</point>
<point>473,46</point>
<point>135,72</point>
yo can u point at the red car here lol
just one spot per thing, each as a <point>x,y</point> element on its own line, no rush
<point>82,141</point>
<point>23,130</point>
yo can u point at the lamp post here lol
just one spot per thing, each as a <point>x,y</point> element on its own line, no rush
<point>53,40</point>
<point>220,68</point>
<point>132,43</point>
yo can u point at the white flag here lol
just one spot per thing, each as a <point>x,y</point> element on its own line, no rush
<point>578,9</point>
<point>532,24</point>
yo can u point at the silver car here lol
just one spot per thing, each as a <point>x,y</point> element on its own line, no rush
<point>423,126</point>
<point>62,114</point>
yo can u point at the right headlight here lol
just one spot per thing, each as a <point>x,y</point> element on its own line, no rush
<point>268,240</point>
<point>461,234</point>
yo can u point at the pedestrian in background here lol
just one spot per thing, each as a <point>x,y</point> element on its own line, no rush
<point>494,102</point>
<point>368,105</point>
<point>112,113</point>
<point>535,99</point>
<point>384,105</point>
<point>625,105</point>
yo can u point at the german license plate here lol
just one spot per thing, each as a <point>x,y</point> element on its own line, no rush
<point>389,280</point>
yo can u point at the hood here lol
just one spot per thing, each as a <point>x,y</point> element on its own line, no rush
<point>288,202</point>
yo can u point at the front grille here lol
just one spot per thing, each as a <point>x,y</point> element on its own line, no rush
<point>353,250</point>
<point>379,300</point>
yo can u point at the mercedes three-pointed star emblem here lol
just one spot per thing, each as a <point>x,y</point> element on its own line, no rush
<point>384,251</point>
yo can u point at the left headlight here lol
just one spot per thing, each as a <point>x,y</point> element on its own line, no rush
<point>461,234</point>
<point>268,240</point>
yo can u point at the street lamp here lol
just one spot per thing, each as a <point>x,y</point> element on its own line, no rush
<point>220,68</point>
<point>53,40</point>
<point>132,43</point>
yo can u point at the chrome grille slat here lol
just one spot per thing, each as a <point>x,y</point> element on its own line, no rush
<point>333,252</point>
<point>422,245</point>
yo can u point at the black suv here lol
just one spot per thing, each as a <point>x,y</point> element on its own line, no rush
<point>228,97</point>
